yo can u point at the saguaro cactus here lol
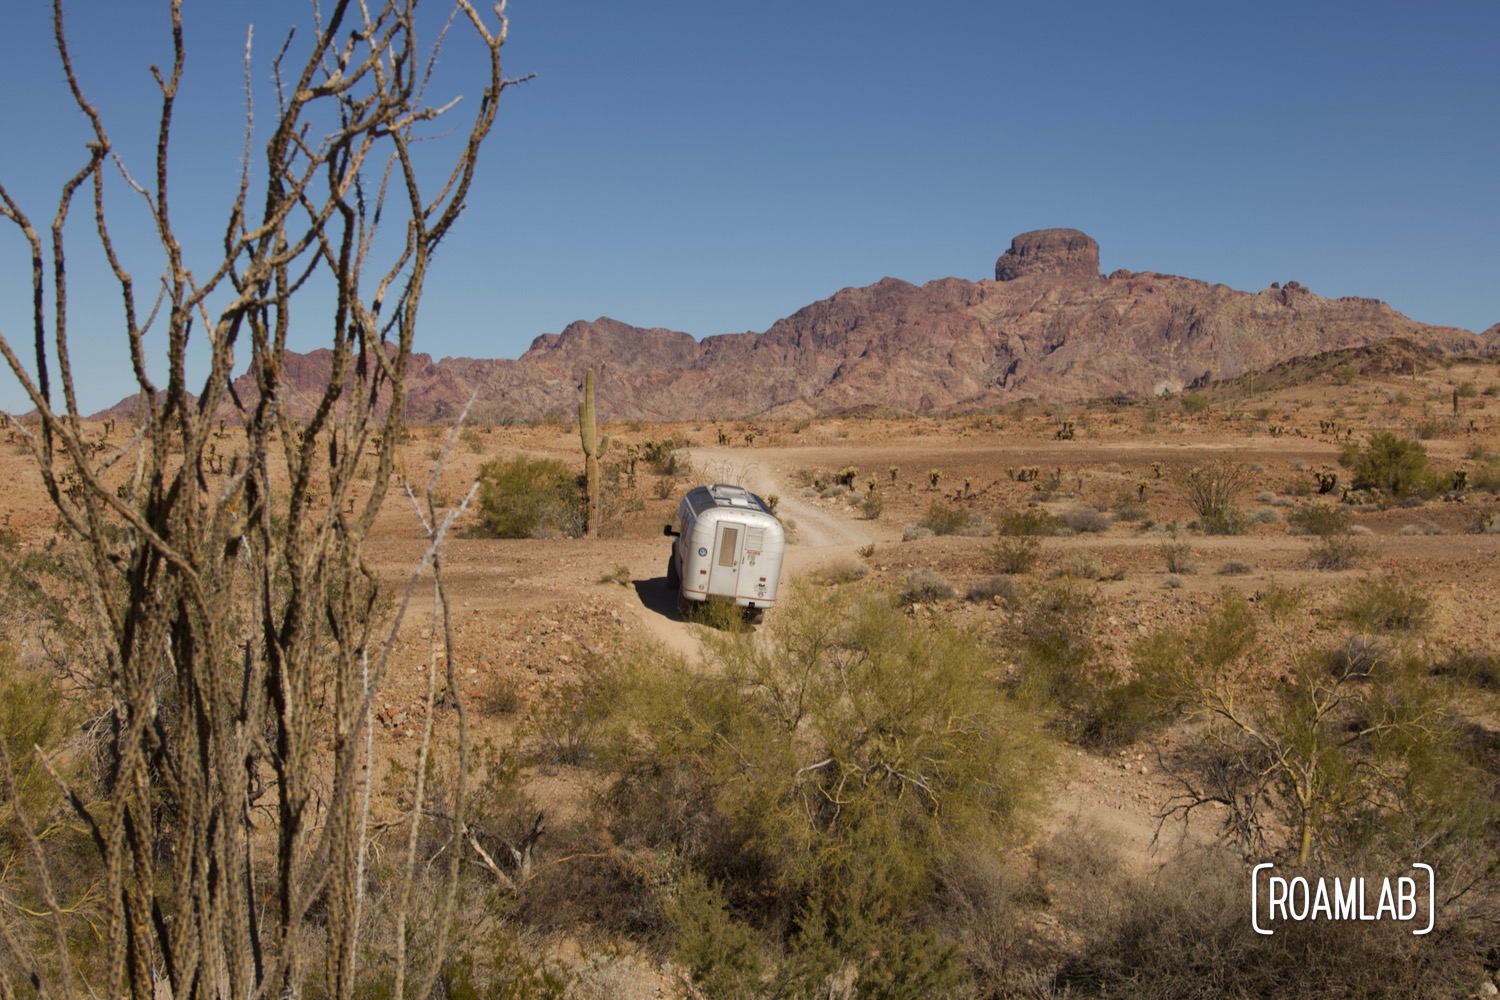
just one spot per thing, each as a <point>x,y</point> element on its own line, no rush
<point>593,450</point>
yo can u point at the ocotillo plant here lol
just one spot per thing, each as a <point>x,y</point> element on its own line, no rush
<point>593,450</point>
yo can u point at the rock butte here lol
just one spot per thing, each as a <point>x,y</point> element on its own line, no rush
<point>1048,327</point>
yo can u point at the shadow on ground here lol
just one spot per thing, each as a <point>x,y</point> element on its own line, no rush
<point>657,597</point>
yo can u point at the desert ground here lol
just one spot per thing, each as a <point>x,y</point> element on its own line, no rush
<point>535,617</point>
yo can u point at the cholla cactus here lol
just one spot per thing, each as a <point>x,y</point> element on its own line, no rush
<point>593,450</point>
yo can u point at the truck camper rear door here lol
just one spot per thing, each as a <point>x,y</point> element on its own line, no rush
<point>724,570</point>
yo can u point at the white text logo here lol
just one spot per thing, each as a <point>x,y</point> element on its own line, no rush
<point>1405,898</point>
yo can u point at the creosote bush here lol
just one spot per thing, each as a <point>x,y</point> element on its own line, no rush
<point>942,519</point>
<point>924,586</point>
<point>1179,557</point>
<point>1009,554</point>
<point>1384,604</point>
<point>999,587</point>
<point>1029,522</point>
<point>841,571</point>
<point>1086,519</point>
<point>525,497</point>
<point>1331,524</point>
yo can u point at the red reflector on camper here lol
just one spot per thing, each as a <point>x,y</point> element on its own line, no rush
<point>762,579</point>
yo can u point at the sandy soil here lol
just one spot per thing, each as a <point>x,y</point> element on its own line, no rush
<point>532,615</point>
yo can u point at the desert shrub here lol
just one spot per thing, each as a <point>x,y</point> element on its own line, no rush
<point>564,725</point>
<point>1434,427</point>
<point>1212,490</point>
<point>1052,642</point>
<point>915,533</point>
<point>1486,475</point>
<point>1483,522</point>
<point>817,780</point>
<point>1029,522</point>
<point>1184,931</point>
<point>1336,553</point>
<point>1321,519</point>
<point>1049,484</point>
<point>1425,528</point>
<point>1086,519</point>
<point>1000,585</point>
<point>1332,762</point>
<point>1385,604</point>
<point>722,955</point>
<point>1175,581</point>
<point>620,574</point>
<point>1194,402</point>
<point>942,519</point>
<point>1179,557</point>
<point>1014,554</point>
<point>1387,462</point>
<point>498,961</point>
<point>1060,668</point>
<point>1475,667</point>
<point>526,497</point>
<point>924,586</point>
<point>1084,566</point>
<point>1131,510</point>
<point>35,720</point>
<point>872,505</point>
<point>847,475</point>
<point>473,439</point>
<point>500,693</point>
<point>722,614</point>
<point>1357,656</point>
<point>664,457</point>
<point>36,724</point>
<point>841,571</point>
<point>1171,662</point>
<point>836,490</point>
<point>1264,515</point>
<point>1235,567</point>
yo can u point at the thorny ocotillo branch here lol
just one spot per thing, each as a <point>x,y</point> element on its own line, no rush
<point>225,568</point>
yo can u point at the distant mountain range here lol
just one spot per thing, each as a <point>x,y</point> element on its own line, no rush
<point>1050,326</point>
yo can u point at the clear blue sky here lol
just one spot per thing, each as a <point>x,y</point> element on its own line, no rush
<point>712,167</point>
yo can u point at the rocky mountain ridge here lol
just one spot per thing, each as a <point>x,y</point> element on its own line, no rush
<point>1050,326</point>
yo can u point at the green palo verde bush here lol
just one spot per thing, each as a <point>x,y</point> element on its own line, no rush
<point>526,497</point>
<point>817,777</point>
<point>1330,524</point>
<point>1019,543</point>
<point>1332,766</point>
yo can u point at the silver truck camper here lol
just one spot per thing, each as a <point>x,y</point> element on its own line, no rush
<point>727,544</point>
